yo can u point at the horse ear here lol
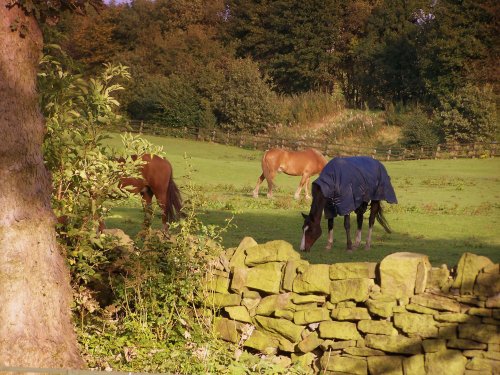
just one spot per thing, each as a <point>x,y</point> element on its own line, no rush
<point>304,215</point>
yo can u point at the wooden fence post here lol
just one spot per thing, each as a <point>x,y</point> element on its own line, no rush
<point>141,126</point>
<point>389,155</point>
<point>438,151</point>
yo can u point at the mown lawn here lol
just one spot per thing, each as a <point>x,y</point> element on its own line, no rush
<point>446,207</point>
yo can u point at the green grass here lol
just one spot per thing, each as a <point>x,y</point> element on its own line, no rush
<point>446,207</point>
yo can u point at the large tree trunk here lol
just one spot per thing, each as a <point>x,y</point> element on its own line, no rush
<point>35,293</point>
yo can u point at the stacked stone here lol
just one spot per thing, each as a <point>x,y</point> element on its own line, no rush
<point>401,316</point>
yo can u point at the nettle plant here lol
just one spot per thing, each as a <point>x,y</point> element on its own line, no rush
<point>85,171</point>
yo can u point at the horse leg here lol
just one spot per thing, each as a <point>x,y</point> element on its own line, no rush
<point>359,218</point>
<point>147,196</point>
<point>161,199</point>
<point>270,184</point>
<point>303,180</point>
<point>259,181</point>
<point>347,227</point>
<point>374,209</point>
<point>307,188</point>
<point>329,244</point>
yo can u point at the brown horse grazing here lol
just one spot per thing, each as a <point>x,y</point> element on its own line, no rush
<point>305,163</point>
<point>157,180</point>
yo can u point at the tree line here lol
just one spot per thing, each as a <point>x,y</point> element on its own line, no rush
<point>243,65</point>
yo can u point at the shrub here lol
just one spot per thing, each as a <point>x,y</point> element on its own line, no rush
<point>468,115</point>
<point>246,101</point>
<point>418,130</point>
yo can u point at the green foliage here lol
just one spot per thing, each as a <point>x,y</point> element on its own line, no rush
<point>182,106</point>
<point>85,171</point>
<point>158,312</point>
<point>292,40</point>
<point>245,102</point>
<point>418,129</point>
<point>469,115</point>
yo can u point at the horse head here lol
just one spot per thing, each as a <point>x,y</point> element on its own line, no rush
<point>311,231</point>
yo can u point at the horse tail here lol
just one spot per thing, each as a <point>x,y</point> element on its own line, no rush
<point>174,201</point>
<point>382,221</point>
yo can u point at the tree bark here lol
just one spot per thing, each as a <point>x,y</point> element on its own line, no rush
<point>35,293</point>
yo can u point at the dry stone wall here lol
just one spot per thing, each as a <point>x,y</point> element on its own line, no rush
<point>401,316</point>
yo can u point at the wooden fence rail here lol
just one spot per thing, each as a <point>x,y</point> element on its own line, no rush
<point>326,146</point>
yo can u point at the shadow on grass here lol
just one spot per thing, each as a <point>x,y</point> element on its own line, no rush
<point>265,227</point>
<point>282,225</point>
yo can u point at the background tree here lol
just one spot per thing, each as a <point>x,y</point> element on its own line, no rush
<point>36,329</point>
<point>292,40</point>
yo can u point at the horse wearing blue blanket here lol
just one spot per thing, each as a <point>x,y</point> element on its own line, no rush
<point>346,185</point>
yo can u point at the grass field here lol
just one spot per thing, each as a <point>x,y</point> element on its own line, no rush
<point>446,207</point>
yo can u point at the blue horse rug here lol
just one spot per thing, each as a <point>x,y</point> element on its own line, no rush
<point>348,182</point>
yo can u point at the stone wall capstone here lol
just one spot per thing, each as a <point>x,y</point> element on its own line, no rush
<point>401,316</point>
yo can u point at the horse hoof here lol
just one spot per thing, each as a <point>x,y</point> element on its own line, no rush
<point>367,247</point>
<point>328,247</point>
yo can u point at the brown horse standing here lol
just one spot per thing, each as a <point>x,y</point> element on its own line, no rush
<point>305,163</point>
<point>157,180</point>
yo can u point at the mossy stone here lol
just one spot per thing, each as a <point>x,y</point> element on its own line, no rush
<point>381,308</point>
<point>226,329</point>
<point>238,257</point>
<point>268,305</point>
<point>282,327</point>
<point>290,272</point>
<point>468,268</point>
<point>350,289</point>
<point>263,342</point>
<point>223,300</point>
<point>381,327</point>
<point>352,270</point>
<point>350,313</point>
<point>310,343</point>
<point>272,251</point>
<point>436,302</point>
<point>416,324</point>
<point>394,344</point>
<point>313,279</point>
<point>238,313</point>
<point>387,365</point>
<point>414,365</point>
<point>445,362</point>
<point>311,316</point>
<point>485,333</point>
<point>343,364</point>
<point>338,330</point>
<point>403,274</point>
<point>265,277</point>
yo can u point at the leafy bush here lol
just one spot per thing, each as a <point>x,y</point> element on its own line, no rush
<point>468,115</point>
<point>182,106</point>
<point>246,102</point>
<point>418,130</point>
